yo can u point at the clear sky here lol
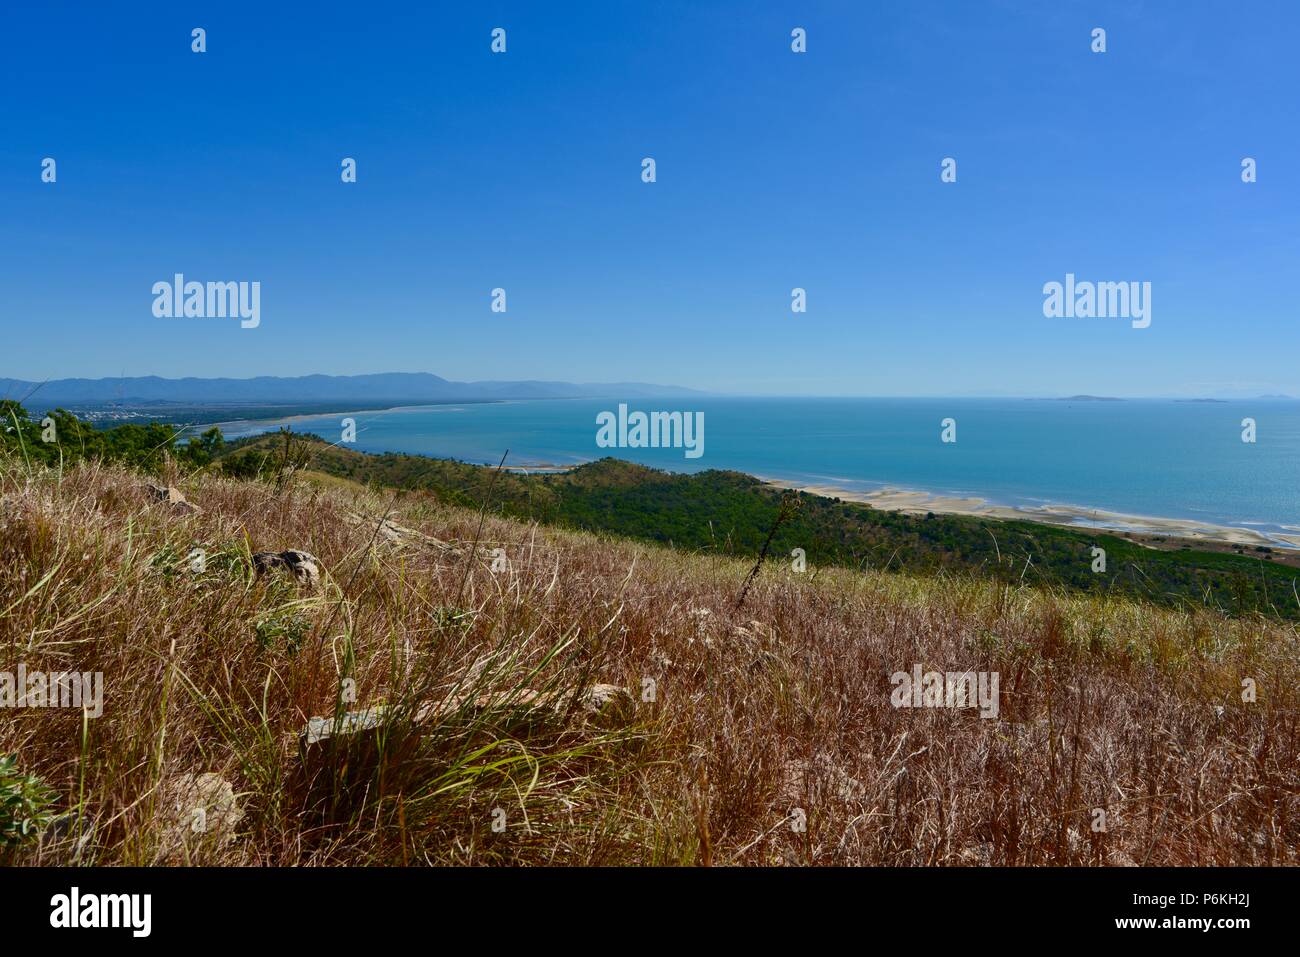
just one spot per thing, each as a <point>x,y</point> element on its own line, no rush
<point>522,170</point>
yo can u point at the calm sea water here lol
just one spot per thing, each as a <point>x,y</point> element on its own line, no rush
<point>1144,457</point>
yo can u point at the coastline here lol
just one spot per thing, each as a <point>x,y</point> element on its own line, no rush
<point>915,502</point>
<point>253,427</point>
<point>1146,529</point>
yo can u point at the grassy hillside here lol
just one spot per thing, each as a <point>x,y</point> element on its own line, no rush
<point>754,735</point>
<point>732,514</point>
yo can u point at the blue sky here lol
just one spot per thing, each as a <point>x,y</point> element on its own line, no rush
<point>775,170</point>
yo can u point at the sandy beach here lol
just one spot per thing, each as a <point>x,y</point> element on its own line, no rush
<point>916,502</point>
<point>539,468</point>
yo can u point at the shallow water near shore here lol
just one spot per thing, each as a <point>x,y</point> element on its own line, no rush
<point>1135,457</point>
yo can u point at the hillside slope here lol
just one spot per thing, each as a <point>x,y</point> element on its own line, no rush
<point>758,735</point>
<point>731,513</point>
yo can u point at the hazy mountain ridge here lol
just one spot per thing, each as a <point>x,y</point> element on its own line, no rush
<point>405,386</point>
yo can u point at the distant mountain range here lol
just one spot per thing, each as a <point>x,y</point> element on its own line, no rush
<point>1225,398</point>
<point>381,387</point>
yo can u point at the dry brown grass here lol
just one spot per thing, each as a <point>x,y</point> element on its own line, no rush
<point>783,705</point>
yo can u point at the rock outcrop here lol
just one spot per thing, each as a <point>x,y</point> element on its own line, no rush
<point>303,565</point>
<point>173,498</point>
<point>604,701</point>
<point>390,534</point>
<point>198,811</point>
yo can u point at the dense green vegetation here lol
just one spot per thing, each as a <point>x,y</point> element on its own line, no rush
<point>61,438</point>
<point>732,513</point>
<point>25,803</point>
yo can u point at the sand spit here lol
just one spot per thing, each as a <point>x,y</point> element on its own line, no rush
<point>917,502</point>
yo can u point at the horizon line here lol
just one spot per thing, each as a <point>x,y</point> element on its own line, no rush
<point>703,392</point>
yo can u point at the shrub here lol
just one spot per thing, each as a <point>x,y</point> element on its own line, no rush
<point>25,804</point>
